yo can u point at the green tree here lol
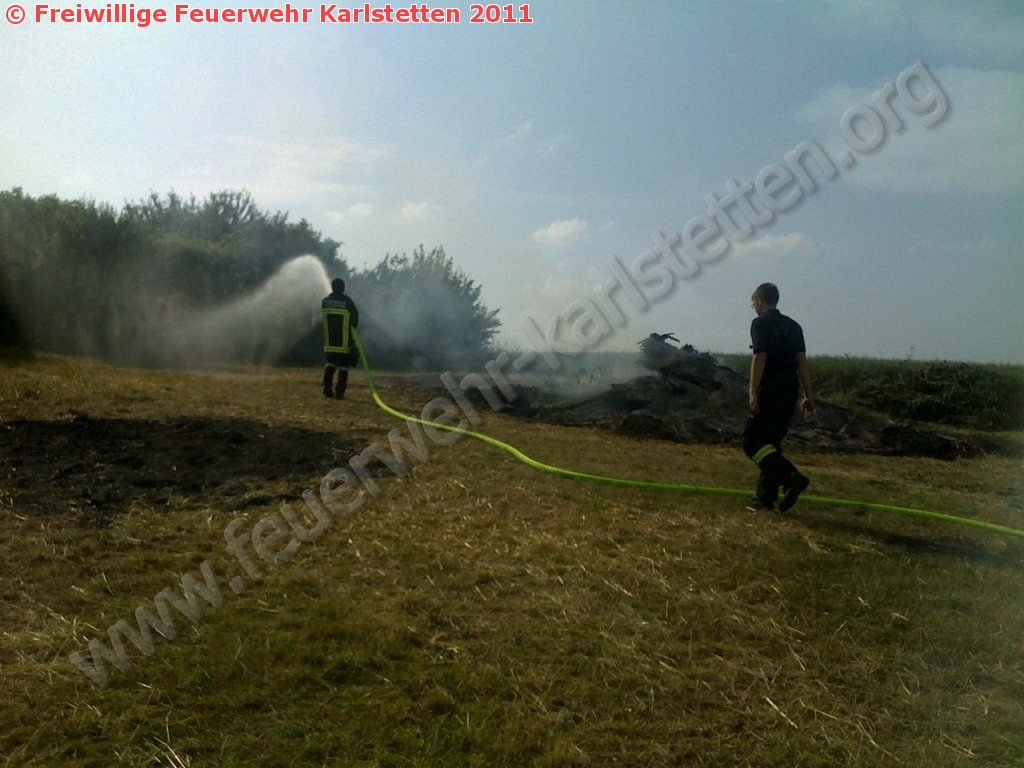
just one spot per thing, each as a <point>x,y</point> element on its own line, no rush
<point>423,312</point>
<point>82,278</point>
<point>225,245</point>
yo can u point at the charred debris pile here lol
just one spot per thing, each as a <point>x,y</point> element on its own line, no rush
<point>687,396</point>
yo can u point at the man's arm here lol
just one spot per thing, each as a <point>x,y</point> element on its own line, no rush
<point>805,381</point>
<point>756,372</point>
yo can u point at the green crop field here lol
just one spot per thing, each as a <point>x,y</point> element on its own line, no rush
<point>479,612</point>
<point>971,395</point>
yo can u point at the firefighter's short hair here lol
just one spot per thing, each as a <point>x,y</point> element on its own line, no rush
<point>768,293</point>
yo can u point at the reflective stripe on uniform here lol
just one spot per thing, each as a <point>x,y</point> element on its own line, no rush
<point>763,452</point>
<point>344,345</point>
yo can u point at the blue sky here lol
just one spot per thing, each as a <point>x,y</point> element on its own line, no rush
<point>534,153</point>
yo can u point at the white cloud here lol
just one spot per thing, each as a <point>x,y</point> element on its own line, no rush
<point>359,211</point>
<point>526,137</point>
<point>418,211</point>
<point>552,145</point>
<point>278,172</point>
<point>978,147</point>
<point>968,30</point>
<point>971,29</point>
<point>770,246</point>
<point>356,212</point>
<point>521,132</point>
<point>558,234</point>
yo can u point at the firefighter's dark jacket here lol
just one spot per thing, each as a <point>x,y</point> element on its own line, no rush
<point>340,316</point>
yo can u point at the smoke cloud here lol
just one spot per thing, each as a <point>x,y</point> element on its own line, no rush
<point>260,327</point>
<point>127,318</point>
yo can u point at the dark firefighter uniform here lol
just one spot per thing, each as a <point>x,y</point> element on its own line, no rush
<point>340,317</point>
<point>780,338</point>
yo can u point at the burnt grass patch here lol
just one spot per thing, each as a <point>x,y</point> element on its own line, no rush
<point>97,468</point>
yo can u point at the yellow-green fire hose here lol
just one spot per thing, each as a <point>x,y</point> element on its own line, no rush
<point>679,487</point>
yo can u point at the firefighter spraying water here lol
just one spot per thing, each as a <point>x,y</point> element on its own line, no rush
<point>340,317</point>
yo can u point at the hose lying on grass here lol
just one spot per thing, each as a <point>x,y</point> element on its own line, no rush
<point>679,487</point>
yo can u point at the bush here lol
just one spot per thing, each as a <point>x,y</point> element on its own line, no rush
<point>422,313</point>
<point>85,279</point>
<point>970,395</point>
<point>959,394</point>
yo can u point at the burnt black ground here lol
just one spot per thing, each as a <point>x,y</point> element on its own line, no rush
<point>98,467</point>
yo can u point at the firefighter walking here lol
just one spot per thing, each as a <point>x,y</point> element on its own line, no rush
<point>778,369</point>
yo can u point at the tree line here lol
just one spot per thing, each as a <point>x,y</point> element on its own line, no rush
<point>84,278</point>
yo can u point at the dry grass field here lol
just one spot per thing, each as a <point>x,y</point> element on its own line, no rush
<point>482,613</point>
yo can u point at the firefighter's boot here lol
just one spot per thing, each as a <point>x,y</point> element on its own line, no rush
<point>328,380</point>
<point>339,391</point>
<point>776,471</point>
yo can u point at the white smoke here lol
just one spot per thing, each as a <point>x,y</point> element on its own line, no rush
<point>259,327</point>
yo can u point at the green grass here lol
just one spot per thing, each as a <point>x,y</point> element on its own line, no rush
<point>484,614</point>
<point>969,395</point>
